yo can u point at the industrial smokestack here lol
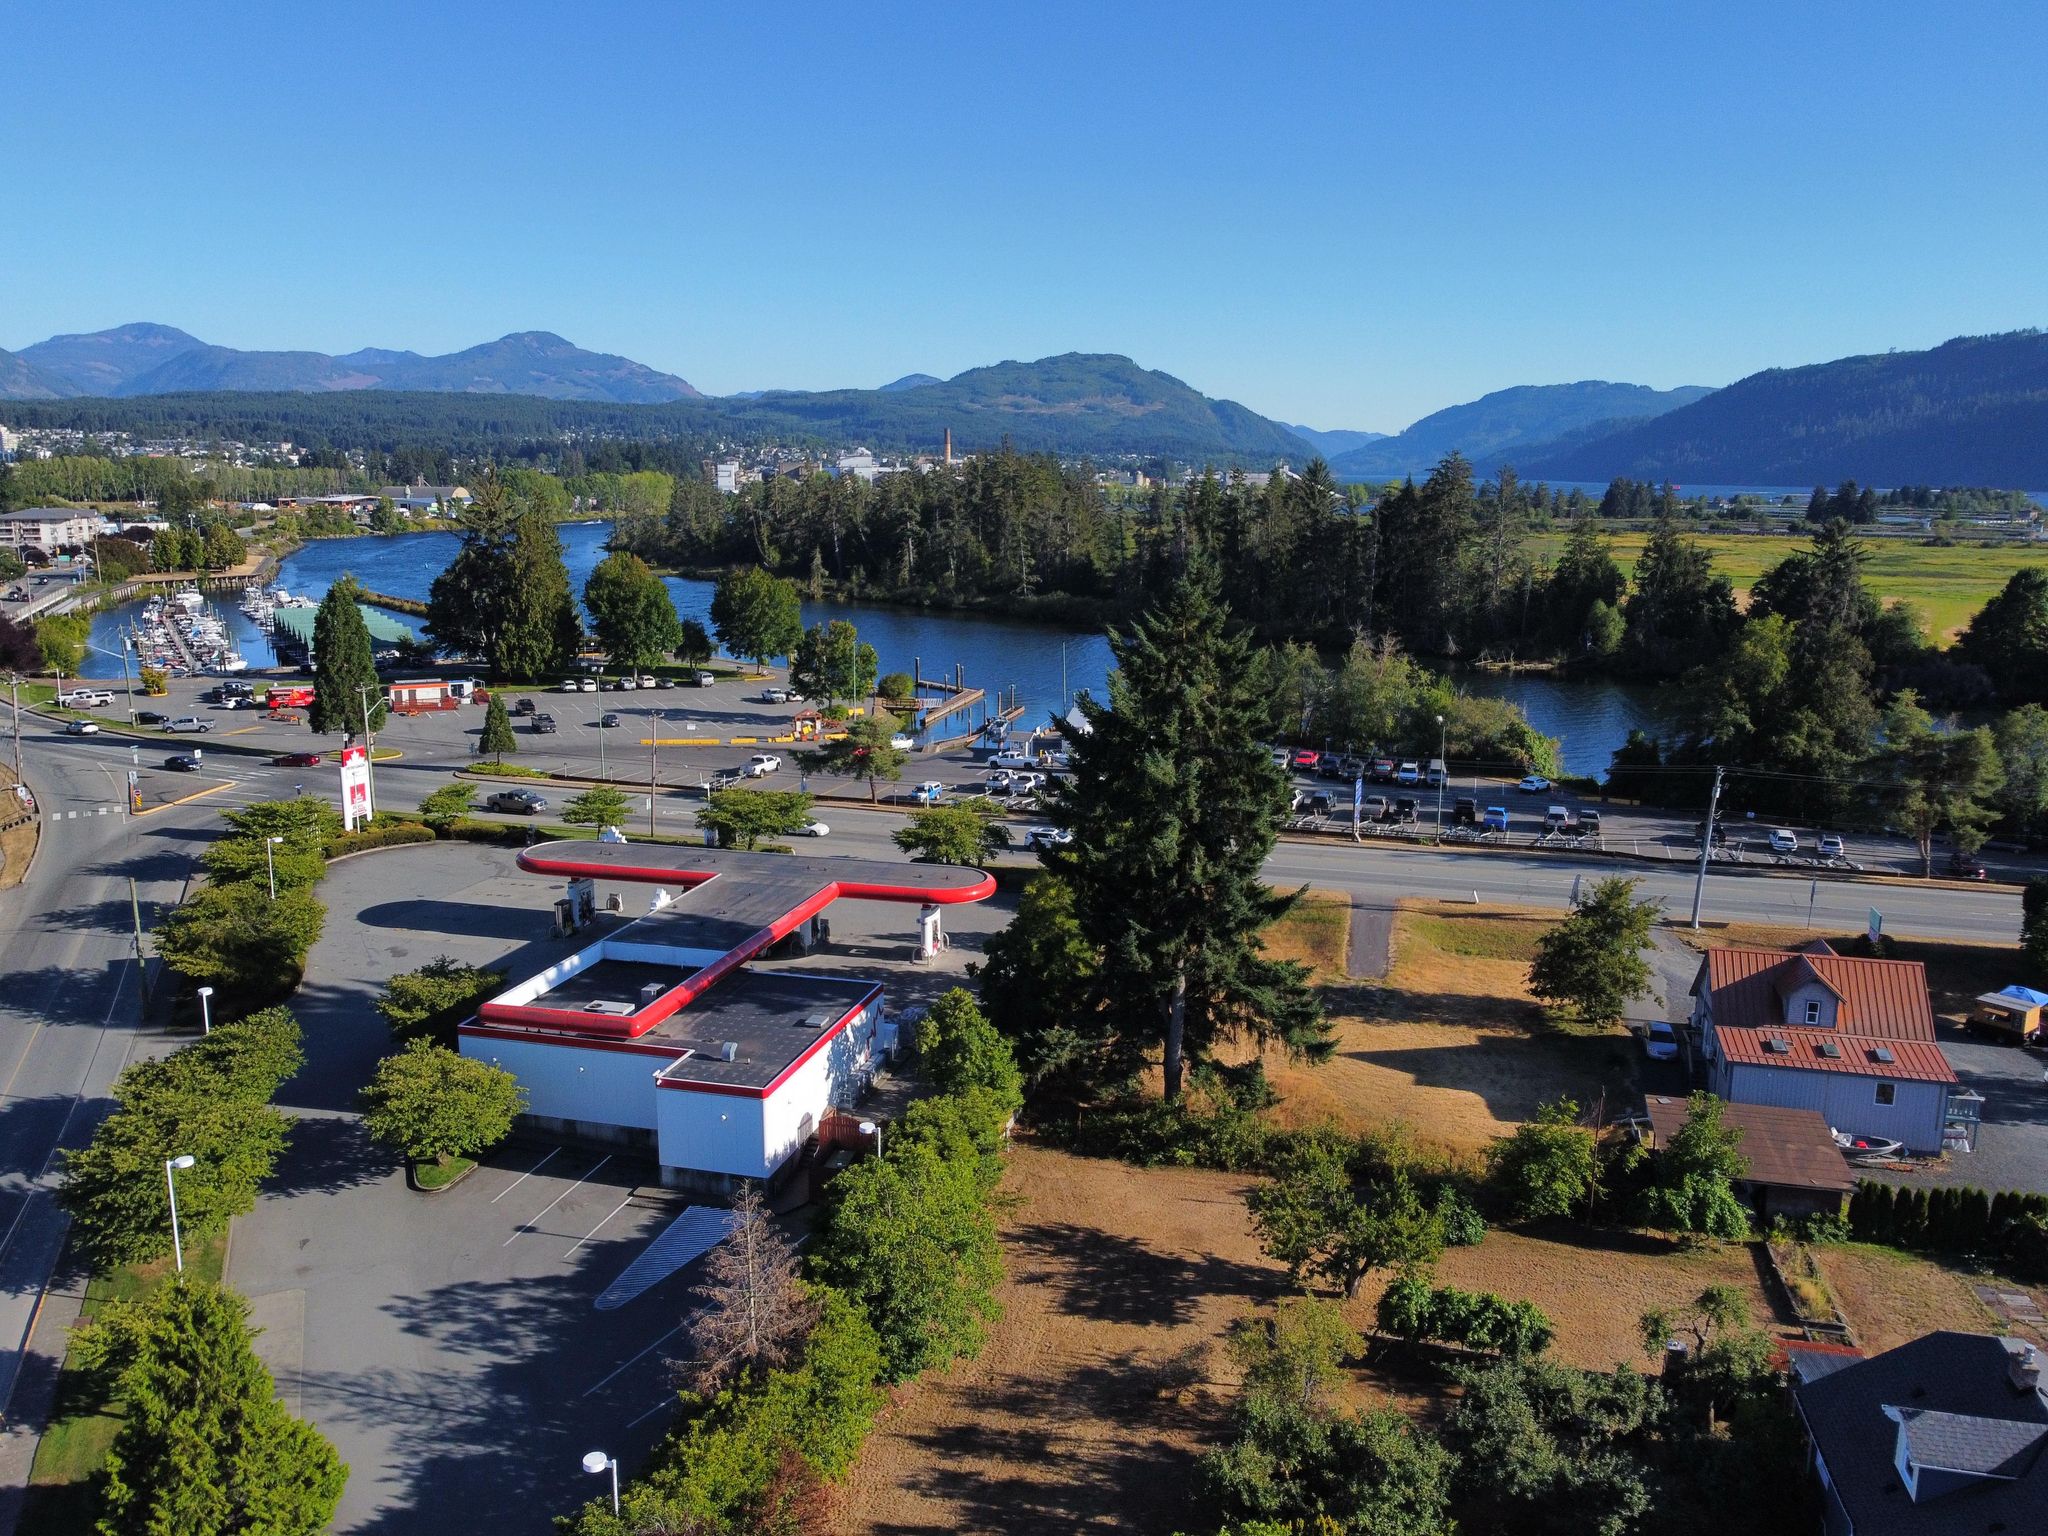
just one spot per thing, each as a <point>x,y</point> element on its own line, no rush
<point>949,445</point>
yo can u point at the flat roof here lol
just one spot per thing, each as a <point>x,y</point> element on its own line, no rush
<point>774,1017</point>
<point>298,623</point>
<point>688,866</point>
<point>615,981</point>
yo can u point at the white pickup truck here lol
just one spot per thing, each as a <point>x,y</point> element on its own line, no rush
<point>761,764</point>
<point>87,698</point>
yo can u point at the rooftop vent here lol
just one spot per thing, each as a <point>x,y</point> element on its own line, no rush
<point>1832,1051</point>
<point>1778,1045</point>
<point>730,1050</point>
<point>1883,1053</point>
<point>609,1005</point>
<point>814,1021</point>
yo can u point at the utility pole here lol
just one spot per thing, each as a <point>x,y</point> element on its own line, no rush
<point>653,769</point>
<point>14,693</point>
<point>1699,889</point>
<point>370,742</point>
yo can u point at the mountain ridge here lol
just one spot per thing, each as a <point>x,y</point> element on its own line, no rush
<point>146,358</point>
<point>1505,421</point>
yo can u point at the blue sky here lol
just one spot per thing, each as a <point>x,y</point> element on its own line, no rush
<point>1345,215</point>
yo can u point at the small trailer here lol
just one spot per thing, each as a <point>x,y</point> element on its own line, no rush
<point>2014,1011</point>
<point>422,696</point>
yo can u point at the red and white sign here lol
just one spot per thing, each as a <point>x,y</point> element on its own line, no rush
<point>355,787</point>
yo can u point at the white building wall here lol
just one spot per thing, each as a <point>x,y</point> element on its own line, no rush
<point>711,1132</point>
<point>1916,1117</point>
<point>566,1082</point>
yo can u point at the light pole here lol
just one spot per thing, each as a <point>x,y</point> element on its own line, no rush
<point>653,769</point>
<point>369,740</point>
<point>1443,775</point>
<point>270,863</point>
<point>206,1010</point>
<point>171,1167</point>
<point>874,1129</point>
<point>597,1463</point>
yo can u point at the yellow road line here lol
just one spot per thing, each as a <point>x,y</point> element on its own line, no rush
<point>242,730</point>
<point>197,794</point>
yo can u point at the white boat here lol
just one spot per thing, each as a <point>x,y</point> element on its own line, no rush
<point>191,600</point>
<point>231,661</point>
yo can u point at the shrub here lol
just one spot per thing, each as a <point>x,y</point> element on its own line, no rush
<point>1549,1167</point>
<point>428,1003</point>
<point>427,1102</point>
<point>1464,1227</point>
<point>395,835</point>
<point>1478,1320</point>
<point>962,1050</point>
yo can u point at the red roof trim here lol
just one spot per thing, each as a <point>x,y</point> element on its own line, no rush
<point>587,1043</point>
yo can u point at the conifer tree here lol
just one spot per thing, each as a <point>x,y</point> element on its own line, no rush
<point>346,693</point>
<point>1173,806</point>
<point>497,739</point>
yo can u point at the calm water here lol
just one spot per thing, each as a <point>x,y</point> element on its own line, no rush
<point>1043,663</point>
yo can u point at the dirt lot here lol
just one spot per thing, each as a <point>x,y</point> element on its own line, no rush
<point>1106,1377</point>
<point>1118,1277</point>
<point>1890,1298</point>
<point>1451,1045</point>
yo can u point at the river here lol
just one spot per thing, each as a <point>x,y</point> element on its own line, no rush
<point>1045,664</point>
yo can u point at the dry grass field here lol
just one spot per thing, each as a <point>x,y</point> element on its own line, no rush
<point>1451,1045</point>
<point>1890,1298</point>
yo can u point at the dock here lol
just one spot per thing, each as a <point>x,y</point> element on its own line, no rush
<point>957,703</point>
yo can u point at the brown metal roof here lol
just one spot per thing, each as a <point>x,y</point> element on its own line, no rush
<point>1886,999</point>
<point>1917,1061</point>
<point>1786,1148</point>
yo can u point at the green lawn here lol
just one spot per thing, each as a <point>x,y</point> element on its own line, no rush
<point>441,1175</point>
<point>83,1423</point>
<point>1947,586</point>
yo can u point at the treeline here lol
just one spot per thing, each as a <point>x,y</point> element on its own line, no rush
<point>170,483</point>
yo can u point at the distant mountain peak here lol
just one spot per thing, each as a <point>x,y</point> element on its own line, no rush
<point>909,381</point>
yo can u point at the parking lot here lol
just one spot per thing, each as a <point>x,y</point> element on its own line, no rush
<point>2012,1147</point>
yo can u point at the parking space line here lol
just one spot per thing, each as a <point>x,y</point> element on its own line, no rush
<point>666,1402</point>
<point>628,1364</point>
<point>527,1226</point>
<point>593,1231</point>
<point>536,1168</point>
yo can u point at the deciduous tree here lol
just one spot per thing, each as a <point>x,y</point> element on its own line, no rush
<point>631,611</point>
<point>1591,964</point>
<point>863,753</point>
<point>1334,1210</point>
<point>1550,1165</point>
<point>428,1003</point>
<point>756,615</point>
<point>966,833</point>
<point>1692,1178</point>
<point>601,805</point>
<point>832,663</point>
<point>744,818</point>
<point>427,1102</point>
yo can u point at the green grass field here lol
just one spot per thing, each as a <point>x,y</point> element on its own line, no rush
<point>1946,586</point>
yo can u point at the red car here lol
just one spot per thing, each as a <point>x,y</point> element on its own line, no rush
<point>298,760</point>
<point>1304,758</point>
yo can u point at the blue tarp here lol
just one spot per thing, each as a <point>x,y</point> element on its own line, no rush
<point>2026,997</point>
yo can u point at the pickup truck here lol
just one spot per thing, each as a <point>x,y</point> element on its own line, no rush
<point>87,698</point>
<point>761,764</point>
<point>930,792</point>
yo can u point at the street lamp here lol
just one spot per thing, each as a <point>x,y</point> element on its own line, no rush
<point>172,1165</point>
<point>270,863</point>
<point>597,1463</point>
<point>872,1128</point>
<point>1442,777</point>
<point>206,1010</point>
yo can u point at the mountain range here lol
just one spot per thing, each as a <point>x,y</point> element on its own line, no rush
<point>149,359</point>
<point>1971,411</point>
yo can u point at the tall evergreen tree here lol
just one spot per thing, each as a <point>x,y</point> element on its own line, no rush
<point>346,693</point>
<point>1173,806</point>
<point>205,1449</point>
<point>538,630</point>
<point>2008,638</point>
<point>1680,609</point>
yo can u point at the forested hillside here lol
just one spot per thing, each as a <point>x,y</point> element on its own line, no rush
<point>1496,427</point>
<point>1973,411</point>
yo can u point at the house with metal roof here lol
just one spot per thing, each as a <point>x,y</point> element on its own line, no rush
<point>1793,1166</point>
<point>1812,1029</point>
<point>1938,1437</point>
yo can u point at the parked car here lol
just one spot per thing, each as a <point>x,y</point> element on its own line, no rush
<point>150,717</point>
<point>623,685</point>
<point>1410,772</point>
<point>930,792</point>
<point>812,829</point>
<point>570,685</point>
<point>1047,837</point>
<point>182,762</point>
<point>1832,847</point>
<point>298,760</point>
<point>1026,783</point>
<point>1010,759</point>
<point>1435,774</point>
<point>82,728</point>
<point>761,764</point>
<point>1404,808</point>
<point>705,679</point>
<point>996,781</point>
<point>1305,758</point>
<point>1556,819</point>
<point>543,725</point>
<point>1961,867</point>
<point>1464,811</point>
<point>774,695</point>
<point>524,707</point>
<point>663,681</point>
<point>1381,770</point>
<point>607,722</point>
<point>586,685</point>
<point>516,802</point>
<point>86,698</point>
<point>1587,822</point>
<point>1533,784</point>
<point>1280,755</point>
<point>1660,1041</point>
<point>1374,808</point>
<point>1784,840</point>
<point>189,723</point>
<point>1315,804</point>
<point>1494,818</point>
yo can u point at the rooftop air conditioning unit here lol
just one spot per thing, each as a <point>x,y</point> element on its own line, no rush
<point>610,1006</point>
<point>730,1050</point>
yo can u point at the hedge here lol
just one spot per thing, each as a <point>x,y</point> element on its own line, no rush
<point>1412,1311</point>
<point>379,837</point>
<point>2009,1227</point>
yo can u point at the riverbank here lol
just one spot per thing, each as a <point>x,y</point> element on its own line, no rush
<point>1065,609</point>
